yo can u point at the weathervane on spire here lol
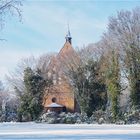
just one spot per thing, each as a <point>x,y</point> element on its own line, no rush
<point>68,35</point>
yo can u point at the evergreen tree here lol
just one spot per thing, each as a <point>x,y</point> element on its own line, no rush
<point>90,91</point>
<point>113,83</point>
<point>31,100</point>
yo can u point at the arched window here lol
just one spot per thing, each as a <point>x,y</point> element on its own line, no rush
<point>54,100</point>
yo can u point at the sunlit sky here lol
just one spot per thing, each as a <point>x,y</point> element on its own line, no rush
<point>44,26</point>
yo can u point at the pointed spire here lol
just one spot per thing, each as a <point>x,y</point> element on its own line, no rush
<point>68,36</point>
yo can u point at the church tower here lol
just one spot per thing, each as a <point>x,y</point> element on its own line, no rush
<point>61,90</point>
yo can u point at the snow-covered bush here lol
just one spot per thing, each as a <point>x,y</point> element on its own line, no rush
<point>67,118</point>
<point>132,117</point>
<point>98,117</point>
<point>49,118</point>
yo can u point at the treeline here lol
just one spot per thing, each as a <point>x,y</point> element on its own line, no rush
<point>100,74</point>
<point>110,69</point>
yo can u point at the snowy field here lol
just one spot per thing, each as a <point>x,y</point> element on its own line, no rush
<point>33,131</point>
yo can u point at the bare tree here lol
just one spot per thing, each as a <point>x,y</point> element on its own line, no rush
<point>43,63</point>
<point>4,97</point>
<point>15,79</point>
<point>9,7</point>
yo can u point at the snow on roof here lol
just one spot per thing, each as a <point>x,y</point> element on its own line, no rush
<point>54,105</point>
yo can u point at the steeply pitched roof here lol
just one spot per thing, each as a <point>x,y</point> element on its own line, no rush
<point>66,50</point>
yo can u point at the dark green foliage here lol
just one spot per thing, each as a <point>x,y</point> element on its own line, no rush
<point>90,92</point>
<point>113,84</point>
<point>31,100</point>
<point>135,94</point>
<point>133,66</point>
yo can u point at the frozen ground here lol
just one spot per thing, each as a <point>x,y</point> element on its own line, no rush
<point>33,131</point>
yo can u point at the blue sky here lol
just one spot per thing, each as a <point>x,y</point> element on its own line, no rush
<point>44,26</point>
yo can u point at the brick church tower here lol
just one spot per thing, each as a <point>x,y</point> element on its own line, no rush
<point>61,91</point>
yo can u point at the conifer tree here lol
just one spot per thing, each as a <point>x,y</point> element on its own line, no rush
<point>112,77</point>
<point>90,92</point>
<point>31,100</point>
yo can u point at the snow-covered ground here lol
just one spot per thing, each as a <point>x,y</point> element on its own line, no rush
<point>33,131</point>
